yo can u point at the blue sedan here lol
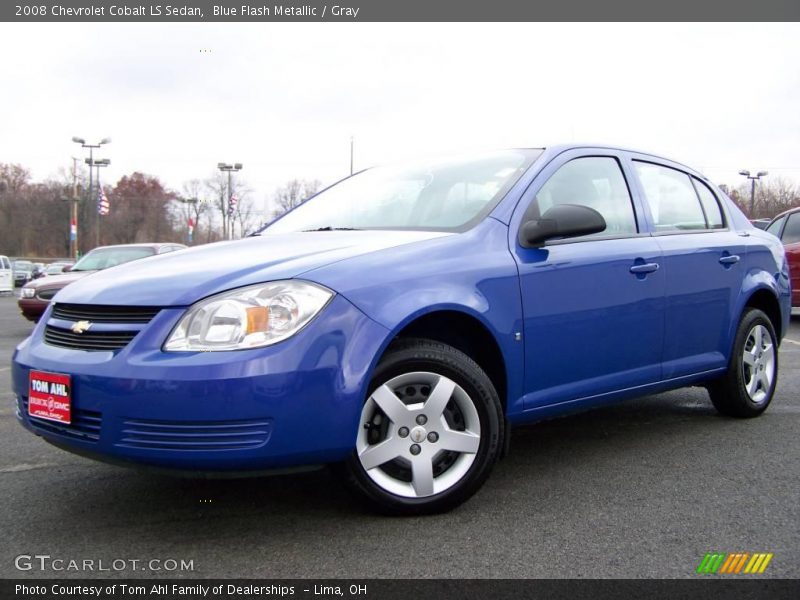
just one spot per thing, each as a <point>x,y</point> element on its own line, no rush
<point>399,323</point>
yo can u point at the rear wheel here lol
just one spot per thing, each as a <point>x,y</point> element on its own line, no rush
<point>749,384</point>
<point>430,430</point>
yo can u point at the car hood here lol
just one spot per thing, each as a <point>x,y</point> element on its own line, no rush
<point>57,281</point>
<point>181,278</point>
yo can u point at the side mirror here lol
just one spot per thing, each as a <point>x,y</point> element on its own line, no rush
<point>66,269</point>
<point>561,221</point>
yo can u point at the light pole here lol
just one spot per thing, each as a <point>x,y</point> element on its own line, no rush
<point>229,168</point>
<point>90,162</point>
<point>102,162</point>
<point>753,179</point>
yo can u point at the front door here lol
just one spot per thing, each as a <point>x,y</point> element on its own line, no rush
<point>593,306</point>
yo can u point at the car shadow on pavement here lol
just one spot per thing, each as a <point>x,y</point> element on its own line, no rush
<point>577,442</point>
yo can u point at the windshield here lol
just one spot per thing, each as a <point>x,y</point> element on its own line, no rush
<point>22,265</point>
<point>103,258</point>
<point>447,195</point>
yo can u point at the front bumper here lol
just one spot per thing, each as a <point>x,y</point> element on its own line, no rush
<point>32,308</point>
<point>292,404</point>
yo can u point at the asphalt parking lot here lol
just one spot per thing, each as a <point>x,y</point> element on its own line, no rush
<point>641,489</point>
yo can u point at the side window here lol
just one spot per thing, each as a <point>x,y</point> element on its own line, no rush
<point>775,227</point>
<point>710,205</point>
<point>671,198</point>
<point>4,264</point>
<point>791,234</point>
<point>596,182</point>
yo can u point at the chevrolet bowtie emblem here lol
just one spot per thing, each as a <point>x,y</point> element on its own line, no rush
<point>81,326</point>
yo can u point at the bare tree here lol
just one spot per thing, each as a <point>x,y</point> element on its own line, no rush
<point>217,185</point>
<point>245,215</point>
<point>773,195</point>
<point>294,193</point>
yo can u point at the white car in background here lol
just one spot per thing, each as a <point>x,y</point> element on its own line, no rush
<point>6,276</point>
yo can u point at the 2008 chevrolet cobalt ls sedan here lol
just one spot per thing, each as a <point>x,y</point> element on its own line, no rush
<point>400,322</point>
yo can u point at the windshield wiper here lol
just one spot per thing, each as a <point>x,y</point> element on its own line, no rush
<point>329,228</point>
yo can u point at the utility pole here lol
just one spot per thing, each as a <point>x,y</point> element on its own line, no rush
<point>753,179</point>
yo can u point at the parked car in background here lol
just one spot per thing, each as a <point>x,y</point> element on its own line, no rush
<point>38,270</point>
<point>6,275</point>
<point>36,295</point>
<point>56,268</point>
<point>786,226</point>
<point>398,323</point>
<point>23,272</point>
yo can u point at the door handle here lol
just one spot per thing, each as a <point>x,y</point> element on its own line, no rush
<point>731,259</point>
<point>645,268</point>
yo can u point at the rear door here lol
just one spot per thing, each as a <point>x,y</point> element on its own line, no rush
<point>703,261</point>
<point>6,276</point>
<point>593,306</point>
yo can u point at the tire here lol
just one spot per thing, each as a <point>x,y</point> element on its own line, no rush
<point>430,432</point>
<point>748,386</point>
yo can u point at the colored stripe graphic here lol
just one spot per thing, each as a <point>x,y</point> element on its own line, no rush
<point>721,563</point>
<point>711,562</point>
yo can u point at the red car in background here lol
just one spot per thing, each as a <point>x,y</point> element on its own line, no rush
<point>786,226</point>
<point>36,295</point>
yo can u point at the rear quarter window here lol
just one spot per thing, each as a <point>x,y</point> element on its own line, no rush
<point>710,204</point>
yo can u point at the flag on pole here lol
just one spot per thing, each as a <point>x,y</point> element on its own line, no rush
<point>73,230</point>
<point>234,200</point>
<point>103,207</point>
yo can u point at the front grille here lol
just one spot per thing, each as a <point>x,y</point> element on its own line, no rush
<point>205,435</point>
<point>96,340</point>
<point>47,294</point>
<point>60,334</point>
<point>104,314</point>
<point>85,424</point>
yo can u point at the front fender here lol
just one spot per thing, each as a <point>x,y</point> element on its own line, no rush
<point>472,273</point>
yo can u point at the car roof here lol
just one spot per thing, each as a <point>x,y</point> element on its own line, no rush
<point>784,213</point>
<point>558,148</point>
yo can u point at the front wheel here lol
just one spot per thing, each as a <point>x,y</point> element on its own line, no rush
<point>430,431</point>
<point>749,384</point>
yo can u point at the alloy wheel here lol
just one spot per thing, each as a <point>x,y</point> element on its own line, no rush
<point>758,363</point>
<point>420,434</point>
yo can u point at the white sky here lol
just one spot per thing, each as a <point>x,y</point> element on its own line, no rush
<point>284,99</point>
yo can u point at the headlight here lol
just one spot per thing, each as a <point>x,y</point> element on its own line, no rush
<point>28,292</point>
<point>249,317</point>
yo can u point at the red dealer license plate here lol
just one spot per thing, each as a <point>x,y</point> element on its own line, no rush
<point>49,396</point>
